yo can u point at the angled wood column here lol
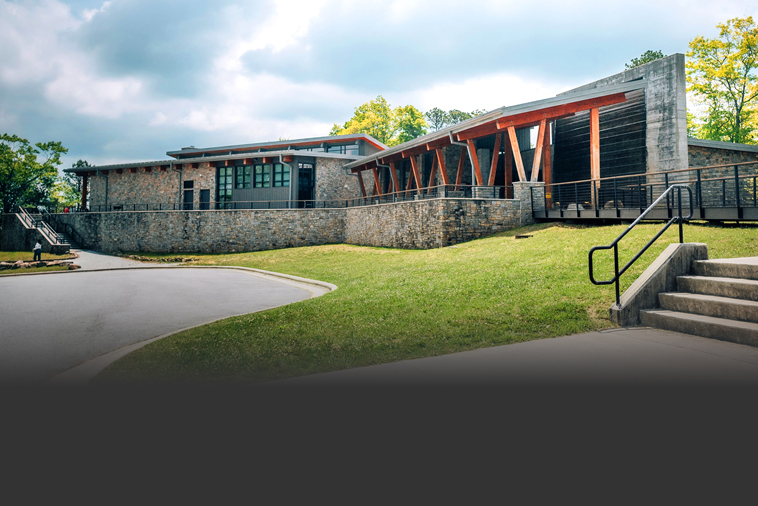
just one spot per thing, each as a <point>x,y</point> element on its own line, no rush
<point>508,168</point>
<point>441,163</point>
<point>475,161</point>
<point>538,150</point>
<point>416,173</point>
<point>495,158</point>
<point>516,154</point>
<point>547,167</point>
<point>377,185</point>
<point>409,183</point>
<point>432,176</point>
<point>393,173</point>
<point>360,180</point>
<point>594,151</point>
<point>461,163</point>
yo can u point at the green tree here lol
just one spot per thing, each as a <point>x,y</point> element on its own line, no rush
<point>437,119</point>
<point>25,181</point>
<point>389,126</point>
<point>68,188</point>
<point>410,123</point>
<point>723,79</point>
<point>646,57</point>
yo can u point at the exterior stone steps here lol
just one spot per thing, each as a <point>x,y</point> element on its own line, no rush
<point>710,305</point>
<point>705,326</point>
<point>744,268</point>
<point>723,287</point>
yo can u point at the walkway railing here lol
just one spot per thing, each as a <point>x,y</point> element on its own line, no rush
<point>40,224</point>
<point>614,245</point>
<point>442,191</point>
<point>729,186</point>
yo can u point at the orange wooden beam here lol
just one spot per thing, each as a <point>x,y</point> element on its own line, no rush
<point>552,113</point>
<point>495,158</point>
<point>461,163</point>
<point>393,174</point>
<point>416,173</point>
<point>418,150</point>
<point>516,153</point>
<point>475,160</point>
<point>409,184</point>
<point>508,167</point>
<point>432,175</point>
<point>547,167</point>
<point>438,143</point>
<point>595,143</point>
<point>441,163</point>
<point>538,151</point>
<point>360,180</point>
<point>376,182</point>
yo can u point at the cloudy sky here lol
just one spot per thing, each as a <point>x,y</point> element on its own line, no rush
<point>128,80</point>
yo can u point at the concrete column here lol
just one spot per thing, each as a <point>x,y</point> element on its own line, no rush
<point>524,191</point>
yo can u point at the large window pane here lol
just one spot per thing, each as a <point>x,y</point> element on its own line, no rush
<point>281,175</point>
<point>263,175</point>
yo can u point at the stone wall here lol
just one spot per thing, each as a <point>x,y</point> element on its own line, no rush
<point>701,156</point>
<point>207,231</point>
<point>333,182</point>
<point>426,223</point>
<point>432,223</point>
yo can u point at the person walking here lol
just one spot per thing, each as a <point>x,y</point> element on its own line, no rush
<point>37,251</point>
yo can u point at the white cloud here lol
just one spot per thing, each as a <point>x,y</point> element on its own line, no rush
<point>88,14</point>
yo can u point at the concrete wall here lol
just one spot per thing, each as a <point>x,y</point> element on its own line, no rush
<point>666,107</point>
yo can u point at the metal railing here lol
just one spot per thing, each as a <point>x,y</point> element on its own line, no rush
<point>733,186</point>
<point>442,191</point>
<point>62,227</point>
<point>40,224</point>
<point>678,218</point>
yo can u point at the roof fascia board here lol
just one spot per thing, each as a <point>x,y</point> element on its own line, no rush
<point>731,146</point>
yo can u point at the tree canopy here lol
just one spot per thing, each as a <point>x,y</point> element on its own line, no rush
<point>646,57</point>
<point>723,79</point>
<point>387,125</point>
<point>24,180</point>
<point>68,188</point>
<point>439,119</point>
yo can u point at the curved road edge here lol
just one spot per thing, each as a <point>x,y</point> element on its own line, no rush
<point>81,374</point>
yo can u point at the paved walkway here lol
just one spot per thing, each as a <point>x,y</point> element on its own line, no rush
<point>93,260</point>
<point>53,322</point>
<point>614,357</point>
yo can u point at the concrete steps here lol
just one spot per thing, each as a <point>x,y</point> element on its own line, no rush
<point>720,302</point>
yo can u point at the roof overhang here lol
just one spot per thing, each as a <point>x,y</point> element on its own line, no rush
<point>171,163</point>
<point>247,148</point>
<point>499,120</point>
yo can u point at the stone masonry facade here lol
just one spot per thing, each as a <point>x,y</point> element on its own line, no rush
<point>333,182</point>
<point>422,224</point>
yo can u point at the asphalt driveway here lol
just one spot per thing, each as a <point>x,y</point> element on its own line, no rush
<point>52,322</point>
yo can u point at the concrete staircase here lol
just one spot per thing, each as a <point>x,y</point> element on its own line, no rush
<point>719,301</point>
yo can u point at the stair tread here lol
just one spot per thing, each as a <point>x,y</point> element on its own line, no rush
<point>730,261</point>
<point>749,282</point>
<point>711,298</point>
<point>704,319</point>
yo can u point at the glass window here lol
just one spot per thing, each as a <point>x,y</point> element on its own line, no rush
<point>263,175</point>
<point>224,186</point>
<point>244,173</point>
<point>281,175</point>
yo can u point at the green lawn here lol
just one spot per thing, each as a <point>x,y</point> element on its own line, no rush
<point>398,304</point>
<point>28,256</point>
<point>30,270</point>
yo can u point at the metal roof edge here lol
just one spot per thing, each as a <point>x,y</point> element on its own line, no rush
<point>273,143</point>
<point>218,158</point>
<point>733,146</point>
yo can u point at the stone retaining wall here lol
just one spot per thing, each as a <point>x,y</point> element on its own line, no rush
<point>422,224</point>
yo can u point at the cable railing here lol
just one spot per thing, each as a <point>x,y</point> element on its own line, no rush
<point>614,245</point>
<point>733,186</point>
<point>442,191</point>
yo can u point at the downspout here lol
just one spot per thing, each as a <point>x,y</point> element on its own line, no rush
<point>470,158</point>
<point>394,193</point>
<point>171,166</point>
<point>281,160</point>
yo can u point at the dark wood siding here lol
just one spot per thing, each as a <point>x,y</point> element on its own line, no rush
<point>622,141</point>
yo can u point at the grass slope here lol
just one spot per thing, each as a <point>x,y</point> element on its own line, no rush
<point>399,304</point>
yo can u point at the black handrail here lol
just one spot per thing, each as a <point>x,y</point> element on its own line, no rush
<point>614,244</point>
